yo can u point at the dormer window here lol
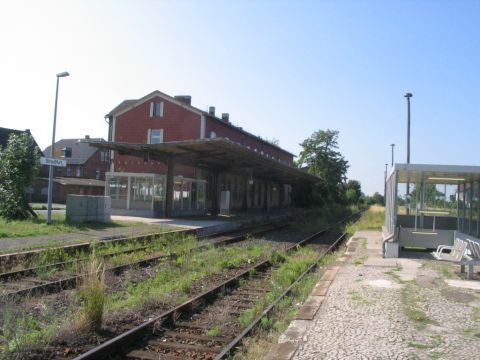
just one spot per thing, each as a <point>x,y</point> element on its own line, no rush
<point>156,109</point>
<point>66,152</point>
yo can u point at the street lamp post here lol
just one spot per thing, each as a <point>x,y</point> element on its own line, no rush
<point>385,185</point>
<point>52,153</point>
<point>408,96</point>
<point>392,145</point>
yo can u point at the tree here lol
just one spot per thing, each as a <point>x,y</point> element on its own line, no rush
<point>353,192</point>
<point>321,158</point>
<point>19,163</point>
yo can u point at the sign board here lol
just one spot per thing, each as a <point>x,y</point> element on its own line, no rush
<point>53,162</point>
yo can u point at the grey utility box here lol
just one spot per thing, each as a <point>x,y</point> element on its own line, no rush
<point>82,208</point>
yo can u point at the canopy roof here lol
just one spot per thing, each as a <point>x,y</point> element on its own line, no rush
<point>436,174</point>
<point>214,154</point>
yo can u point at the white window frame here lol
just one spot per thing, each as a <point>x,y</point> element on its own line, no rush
<point>150,136</point>
<point>153,105</point>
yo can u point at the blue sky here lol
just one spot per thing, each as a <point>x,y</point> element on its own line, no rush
<point>282,69</point>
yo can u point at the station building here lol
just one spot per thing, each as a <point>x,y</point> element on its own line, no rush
<point>169,158</point>
<point>442,203</point>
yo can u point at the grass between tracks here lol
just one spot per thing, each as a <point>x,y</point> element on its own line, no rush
<point>258,347</point>
<point>24,328</point>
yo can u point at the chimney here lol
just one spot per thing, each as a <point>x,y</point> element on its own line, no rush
<point>186,99</point>
<point>226,117</point>
<point>87,137</point>
<point>211,110</point>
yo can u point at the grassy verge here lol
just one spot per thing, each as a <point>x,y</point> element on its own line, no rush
<point>372,219</point>
<point>37,227</point>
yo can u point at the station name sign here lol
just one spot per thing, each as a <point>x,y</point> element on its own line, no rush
<point>53,162</point>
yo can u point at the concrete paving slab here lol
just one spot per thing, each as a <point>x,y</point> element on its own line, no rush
<point>465,284</point>
<point>319,291</point>
<point>306,313</point>
<point>295,331</point>
<point>314,301</point>
<point>283,351</point>
<point>383,283</point>
<point>329,274</point>
<point>381,262</point>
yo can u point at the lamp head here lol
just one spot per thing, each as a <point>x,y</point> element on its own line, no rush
<point>63,74</point>
<point>408,95</point>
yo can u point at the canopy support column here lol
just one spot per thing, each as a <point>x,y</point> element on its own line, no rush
<point>169,188</point>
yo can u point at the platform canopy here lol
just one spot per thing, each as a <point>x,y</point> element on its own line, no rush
<point>218,154</point>
<point>436,174</point>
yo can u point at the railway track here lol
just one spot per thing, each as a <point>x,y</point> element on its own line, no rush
<point>31,285</point>
<point>206,326</point>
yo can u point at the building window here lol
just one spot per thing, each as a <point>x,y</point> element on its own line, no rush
<point>78,172</point>
<point>155,136</point>
<point>67,152</point>
<point>213,134</point>
<point>104,156</point>
<point>97,174</point>
<point>69,171</point>
<point>156,109</point>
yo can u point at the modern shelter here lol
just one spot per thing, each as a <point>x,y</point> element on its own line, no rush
<point>427,204</point>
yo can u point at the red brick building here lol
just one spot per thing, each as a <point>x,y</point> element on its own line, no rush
<point>83,175</point>
<point>158,118</point>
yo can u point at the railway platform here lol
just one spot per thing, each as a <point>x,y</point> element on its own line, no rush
<point>204,225</point>
<point>369,307</point>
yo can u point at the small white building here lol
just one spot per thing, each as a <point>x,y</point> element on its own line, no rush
<point>427,204</point>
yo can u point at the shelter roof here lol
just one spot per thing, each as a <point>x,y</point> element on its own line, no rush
<point>436,174</point>
<point>70,181</point>
<point>214,154</point>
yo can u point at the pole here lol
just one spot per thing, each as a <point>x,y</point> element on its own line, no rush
<point>408,96</point>
<point>392,145</point>
<point>50,168</point>
<point>385,185</point>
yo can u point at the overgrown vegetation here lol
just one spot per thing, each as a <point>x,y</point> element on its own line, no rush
<point>92,294</point>
<point>19,164</point>
<point>174,282</point>
<point>372,219</point>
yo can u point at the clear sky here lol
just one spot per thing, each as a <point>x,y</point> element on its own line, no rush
<point>282,69</point>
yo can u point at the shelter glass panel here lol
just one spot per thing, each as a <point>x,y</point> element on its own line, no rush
<point>475,204</point>
<point>201,192</point>
<point>141,193</point>
<point>117,190</point>
<point>177,195</point>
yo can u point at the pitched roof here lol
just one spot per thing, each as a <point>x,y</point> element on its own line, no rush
<point>130,104</point>
<point>81,149</point>
<point>5,134</point>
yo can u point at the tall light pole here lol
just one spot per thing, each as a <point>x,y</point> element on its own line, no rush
<point>385,186</point>
<point>408,96</point>
<point>392,145</point>
<point>52,153</point>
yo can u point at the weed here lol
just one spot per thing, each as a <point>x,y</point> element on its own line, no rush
<point>412,299</point>
<point>360,260</point>
<point>214,331</point>
<point>393,274</point>
<point>92,293</point>
<point>357,297</point>
<point>435,342</point>
<point>277,258</point>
